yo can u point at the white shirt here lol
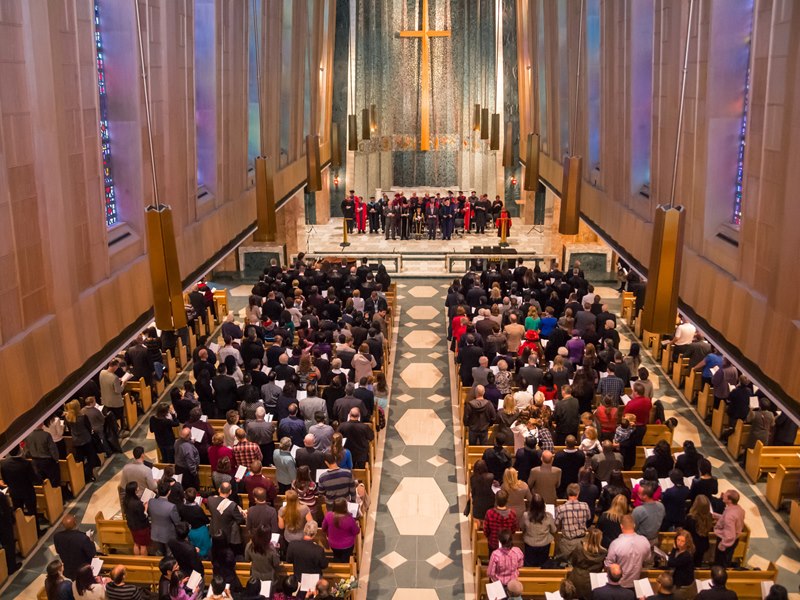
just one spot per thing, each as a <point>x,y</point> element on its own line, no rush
<point>684,334</point>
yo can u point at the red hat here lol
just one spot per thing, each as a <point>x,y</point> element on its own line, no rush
<point>532,335</point>
<point>268,323</point>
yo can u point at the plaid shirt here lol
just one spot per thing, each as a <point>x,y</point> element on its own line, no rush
<point>504,564</point>
<point>494,523</point>
<point>545,439</point>
<point>612,386</point>
<point>246,452</point>
<point>571,519</point>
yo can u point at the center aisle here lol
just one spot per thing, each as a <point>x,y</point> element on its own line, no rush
<point>417,544</point>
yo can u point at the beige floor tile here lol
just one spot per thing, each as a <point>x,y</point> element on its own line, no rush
<point>422,339</point>
<point>422,313</point>
<point>393,560</point>
<point>415,594</point>
<point>421,375</point>
<point>420,427</point>
<point>418,506</point>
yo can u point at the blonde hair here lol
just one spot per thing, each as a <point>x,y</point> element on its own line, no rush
<point>558,364</point>
<point>701,513</point>
<point>618,509</point>
<point>630,417</point>
<point>509,406</point>
<point>538,398</point>
<point>510,479</point>
<point>291,513</point>
<point>590,432</point>
<point>532,312</point>
<point>73,411</point>
<point>502,365</point>
<point>593,542</point>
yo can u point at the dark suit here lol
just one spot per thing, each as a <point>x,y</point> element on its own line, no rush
<point>226,523</point>
<point>358,435</point>
<point>20,478</point>
<point>306,557</point>
<point>186,555</point>
<point>342,407</point>
<point>717,593</point>
<point>75,549</point>
<point>224,393</point>
<point>312,458</point>
<point>613,592</point>
<point>468,356</point>
<point>138,358</point>
<point>262,515</point>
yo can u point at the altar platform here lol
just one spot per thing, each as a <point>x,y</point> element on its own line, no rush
<point>425,257</point>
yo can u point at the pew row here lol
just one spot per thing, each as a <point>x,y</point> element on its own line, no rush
<point>766,459</point>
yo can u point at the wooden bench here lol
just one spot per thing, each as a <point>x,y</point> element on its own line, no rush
<point>783,484</point>
<point>719,420</point>
<point>221,303</point>
<point>143,390</point>
<point>738,438</point>
<point>746,584</point>
<point>628,302</point>
<point>535,582</point>
<point>25,532</point>
<point>767,459</point>
<point>794,518</point>
<point>49,501</point>
<point>112,533</point>
<point>666,358</point>
<point>143,571</point>
<point>180,354</point>
<point>705,401</point>
<point>692,384</point>
<point>72,473</point>
<point>680,368</point>
<point>131,411</point>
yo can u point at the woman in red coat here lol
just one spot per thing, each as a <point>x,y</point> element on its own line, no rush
<point>467,214</point>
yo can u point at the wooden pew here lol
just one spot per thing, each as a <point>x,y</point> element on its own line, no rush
<point>180,354</point>
<point>794,518</point>
<point>72,473</point>
<point>535,582</point>
<point>143,390</point>
<point>170,366</point>
<point>25,532</point>
<point>49,501</point>
<point>3,567</point>
<point>738,438</point>
<point>666,357</point>
<point>680,369</point>
<point>112,533</point>
<point>221,303</point>
<point>652,341</point>
<point>692,384</point>
<point>131,412</point>
<point>719,420</point>
<point>746,584</point>
<point>767,459</point>
<point>628,300</point>
<point>705,401</point>
<point>782,485</point>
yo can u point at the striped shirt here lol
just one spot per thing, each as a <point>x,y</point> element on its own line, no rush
<point>337,483</point>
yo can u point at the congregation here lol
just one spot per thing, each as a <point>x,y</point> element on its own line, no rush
<point>569,456</point>
<point>262,481</point>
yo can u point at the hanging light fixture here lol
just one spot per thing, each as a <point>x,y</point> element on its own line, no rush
<point>352,133</point>
<point>570,215</point>
<point>484,123</point>
<point>373,118</point>
<point>531,163</point>
<point>494,137</point>
<point>313,166</point>
<point>508,146</point>
<point>365,128</point>
<point>669,225</point>
<point>476,118</point>
<point>336,147</point>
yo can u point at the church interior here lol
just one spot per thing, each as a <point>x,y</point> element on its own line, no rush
<point>399,299</point>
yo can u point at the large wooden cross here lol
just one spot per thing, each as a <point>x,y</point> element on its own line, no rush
<point>425,81</point>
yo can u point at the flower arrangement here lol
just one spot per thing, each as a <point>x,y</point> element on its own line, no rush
<point>344,587</point>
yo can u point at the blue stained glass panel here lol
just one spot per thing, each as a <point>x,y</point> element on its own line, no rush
<point>109,192</point>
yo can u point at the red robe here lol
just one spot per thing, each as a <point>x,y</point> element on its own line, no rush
<point>498,222</point>
<point>467,214</point>
<point>361,214</point>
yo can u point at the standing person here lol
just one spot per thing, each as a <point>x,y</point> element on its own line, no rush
<point>41,448</point>
<point>728,528</point>
<point>56,586</point>
<point>342,530</point>
<point>264,560</point>
<point>519,494</point>
<point>482,495</point>
<point>81,430</point>
<point>566,415</point>
<point>306,556</point>
<point>390,220</point>
<point>73,546</point>
<point>373,212</point>
<point>479,414</point>
<point>226,521</point>
<point>86,586</point>
<point>681,561</point>
<point>538,528</point>
<point>171,586</point>
<point>111,387</point>
<point>482,207</point>
<point>446,218</point>
<point>431,219</point>
<point>497,519</point>
<point>187,459</point>
<point>163,518</point>
<point>545,479</point>
<point>506,561</point>
<point>360,209</point>
<point>571,519</point>
<point>162,425</point>
<point>630,551</point>
<point>586,558</point>
<point>359,435</point>
<point>349,211</point>
<point>718,591</point>
<point>699,524</point>
<point>136,519</point>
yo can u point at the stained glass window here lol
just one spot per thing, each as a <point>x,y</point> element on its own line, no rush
<point>737,199</point>
<point>105,138</point>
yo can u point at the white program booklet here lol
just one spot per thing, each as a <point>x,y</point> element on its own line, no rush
<point>241,471</point>
<point>703,584</point>
<point>643,588</point>
<point>308,582</point>
<point>223,505</point>
<point>194,580</point>
<point>197,435</point>
<point>495,591</point>
<point>553,596</point>
<point>598,580</point>
<point>147,495</point>
<point>352,508</point>
<point>266,587</point>
<point>97,564</point>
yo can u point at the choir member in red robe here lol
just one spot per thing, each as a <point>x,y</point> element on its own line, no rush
<point>361,215</point>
